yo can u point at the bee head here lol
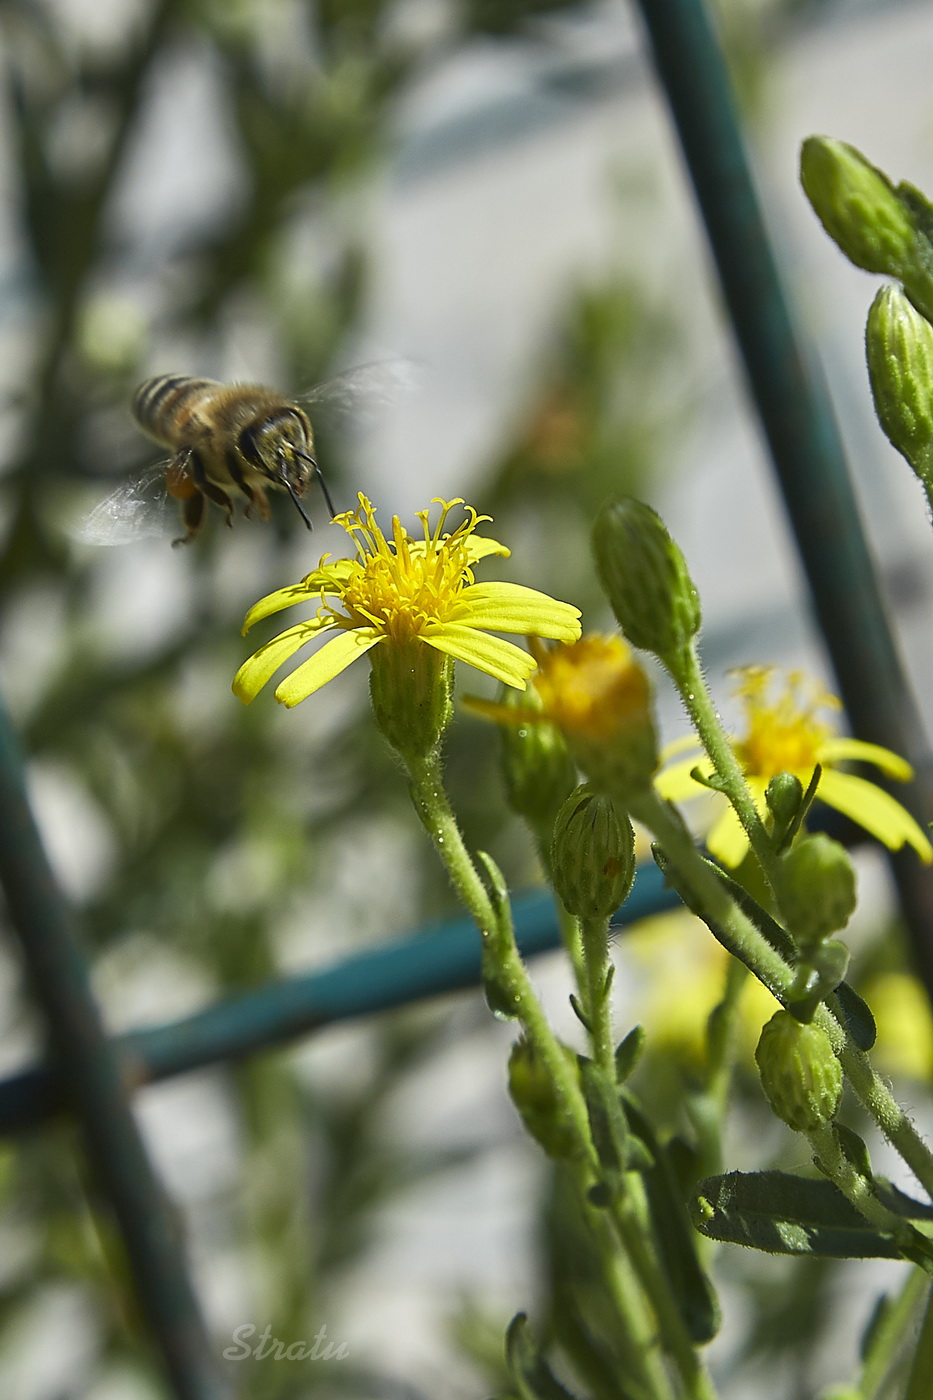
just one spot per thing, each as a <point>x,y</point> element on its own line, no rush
<point>282,448</point>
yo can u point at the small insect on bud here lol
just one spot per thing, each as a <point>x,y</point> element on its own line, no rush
<point>899,347</point>
<point>800,1075</point>
<point>593,855</point>
<point>532,1092</point>
<point>857,205</point>
<point>817,888</point>
<point>645,578</point>
<point>536,767</point>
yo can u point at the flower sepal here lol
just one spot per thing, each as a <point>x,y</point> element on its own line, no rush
<point>411,687</point>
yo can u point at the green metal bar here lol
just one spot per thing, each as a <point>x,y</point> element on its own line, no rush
<point>798,423</point>
<point>443,959</point>
<point>94,1076</point>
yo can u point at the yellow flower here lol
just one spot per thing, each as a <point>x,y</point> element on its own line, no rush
<point>789,732</point>
<point>401,591</point>
<point>597,695</point>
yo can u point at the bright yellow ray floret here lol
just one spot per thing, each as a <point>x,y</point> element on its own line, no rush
<point>400,590</point>
<point>787,731</point>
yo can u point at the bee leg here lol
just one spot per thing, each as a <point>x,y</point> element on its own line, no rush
<point>259,499</point>
<point>193,517</point>
<point>210,489</point>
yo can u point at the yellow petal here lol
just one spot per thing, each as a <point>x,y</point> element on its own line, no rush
<point>838,750</point>
<point>263,664</point>
<point>877,811</point>
<point>681,745</point>
<point>496,657</point>
<point>325,664</point>
<point>727,840</point>
<point>508,607</point>
<point>275,602</point>
<point>676,784</point>
<point>481,546</point>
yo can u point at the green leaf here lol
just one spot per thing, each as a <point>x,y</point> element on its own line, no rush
<point>855,1015</point>
<point>848,1007</point>
<point>628,1053</point>
<point>533,1378</point>
<point>784,1214</point>
<point>607,1119</point>
<point>677,1243</point>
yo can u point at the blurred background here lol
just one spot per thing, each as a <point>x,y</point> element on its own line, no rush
<point>481,204</point>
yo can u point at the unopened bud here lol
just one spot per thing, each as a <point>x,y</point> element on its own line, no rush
<point>857,205</point>
<point>532,1091</point>
<point>817,888</point>
<point>593,855</point>
<point>899,347</point>
<point>784,795</point>
<point>800,1074</point>
<point>535,764</point>
<point>645,578</point>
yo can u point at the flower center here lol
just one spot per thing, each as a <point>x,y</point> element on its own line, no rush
<point>784,734</point>
<point>402,586</point>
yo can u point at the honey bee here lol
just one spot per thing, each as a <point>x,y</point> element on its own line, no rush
<point>230,442</point>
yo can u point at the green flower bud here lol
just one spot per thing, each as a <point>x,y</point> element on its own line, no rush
<point>645,578</point>
<point>799,1072</point>
<point>592,855</point>
<point>532,1091</point>
<point>817,893</point>
<point>536,767</point>
<point>857,205</point>
<point>784,796</point>
<point>899,346</point>
<point>411,687</point>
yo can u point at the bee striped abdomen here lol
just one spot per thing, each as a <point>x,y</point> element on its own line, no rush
<point>158,404</point>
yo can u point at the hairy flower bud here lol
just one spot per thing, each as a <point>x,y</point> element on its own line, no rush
<point>645,578</point>
<point>536,767</point>
<point>593,855</point>
<point>857,205</point>
<point>411,687</point>
<point>532,1091</point>
<point>784,795</point>
<point>899,347</point>
<point>799,1072</point>
<point>817,888</point>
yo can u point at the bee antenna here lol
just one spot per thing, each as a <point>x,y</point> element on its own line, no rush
<point>320,478</point>
<point>299,507</point>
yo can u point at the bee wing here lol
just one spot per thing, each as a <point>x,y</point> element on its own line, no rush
<point>138,508</point>
<point>363,389</point>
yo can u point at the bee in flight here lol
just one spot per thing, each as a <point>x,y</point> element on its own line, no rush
<point>229,443</point>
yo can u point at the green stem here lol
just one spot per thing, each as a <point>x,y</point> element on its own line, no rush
<point>775,973</point>
<point>708,1109</point>
<point>687,674</point>
<point>648,1311</point>
<point>889,1338</point>
<point>594,991</point>
<point>918,1387</point>
<point>434,809</point>
<point>710,893</point>
<point>880,1102</point>
<point>856,1188</point>
<point>627,1215</point>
